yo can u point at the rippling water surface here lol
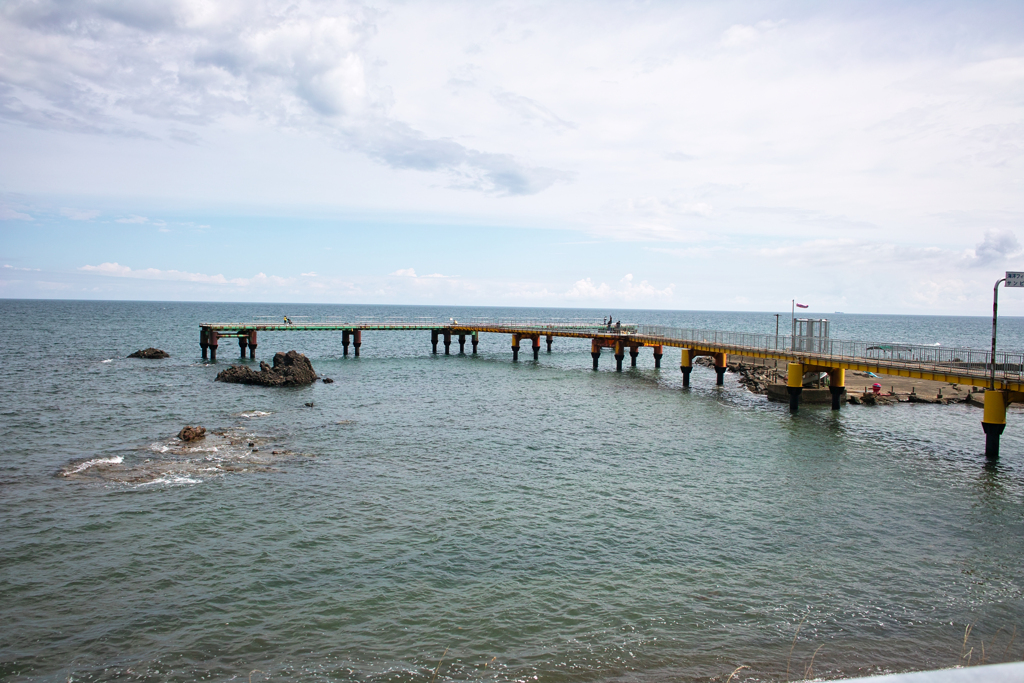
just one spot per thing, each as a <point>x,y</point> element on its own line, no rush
<point>467,518</point>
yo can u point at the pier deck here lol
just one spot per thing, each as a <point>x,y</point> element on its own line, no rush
<point>1004,380</point>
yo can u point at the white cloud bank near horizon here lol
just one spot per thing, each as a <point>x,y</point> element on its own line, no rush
<point>868,155</point>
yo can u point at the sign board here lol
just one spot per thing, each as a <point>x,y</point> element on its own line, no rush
<point>1014,279</point>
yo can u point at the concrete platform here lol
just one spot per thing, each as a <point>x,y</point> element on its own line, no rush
<point>779,392</point>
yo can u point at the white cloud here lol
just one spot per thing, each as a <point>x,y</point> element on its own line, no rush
<point>79,214</point>
<point>627,291</point>
<point>117,270</point>
<point>994,249</point>
<point>9,214</point>
<point>133,219</point>
<point>740,34</point>
<point>532,111</point>
<point>411,273</point>
<point>852,145</point>
<point>302,65</point>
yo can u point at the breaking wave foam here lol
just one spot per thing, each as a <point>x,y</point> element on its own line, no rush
<point>83,466</point>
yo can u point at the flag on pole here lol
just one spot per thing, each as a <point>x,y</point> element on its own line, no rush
<point>801,306</point>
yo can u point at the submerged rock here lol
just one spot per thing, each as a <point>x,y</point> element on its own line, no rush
<point>150,353</point>
<point>327,380</point>
<point>190,433</point>
<point>870,399</point>
<point>289,370</point>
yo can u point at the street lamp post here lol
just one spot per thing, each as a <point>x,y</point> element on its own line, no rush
<point>993,419</point>
<point>995,311</point>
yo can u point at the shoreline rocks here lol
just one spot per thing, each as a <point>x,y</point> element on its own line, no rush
<point>756,378</point>
<point>289,370</point>
<point>150,353</point>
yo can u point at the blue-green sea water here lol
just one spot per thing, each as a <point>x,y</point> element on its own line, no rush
<point>460,518</point>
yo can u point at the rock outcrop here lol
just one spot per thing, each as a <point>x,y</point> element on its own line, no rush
<point>190,433</point>
<point>756,378</point>
<point>150,353</point>
<point>290,369</point>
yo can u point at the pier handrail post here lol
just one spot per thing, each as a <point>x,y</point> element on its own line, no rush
<point>995,310</point>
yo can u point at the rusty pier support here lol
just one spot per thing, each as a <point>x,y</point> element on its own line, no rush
<point>515,348</point>
<point>204,340</point>
<point>658,353</point>
<point>595,351</point>
<point>243,342</point>
<point>345,342</point>
<point>447,342</point>
<point>357,341</point>
<point>252,344</point>
<point>551,338</point>
<point>462,344</point>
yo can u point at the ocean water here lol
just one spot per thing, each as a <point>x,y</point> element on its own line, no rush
<point>433,518</point>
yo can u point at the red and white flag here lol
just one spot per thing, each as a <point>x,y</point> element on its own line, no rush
<point>801,306</point>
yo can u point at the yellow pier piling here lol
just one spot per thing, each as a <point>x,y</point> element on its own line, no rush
<point>794,385</point>
<point>686,365</point>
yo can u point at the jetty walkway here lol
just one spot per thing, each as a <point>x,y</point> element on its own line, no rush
<point>1002,376</point>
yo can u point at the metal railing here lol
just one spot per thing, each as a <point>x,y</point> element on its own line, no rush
<point>959,360</point>
<point>965,361</point>
<point>398,322</point>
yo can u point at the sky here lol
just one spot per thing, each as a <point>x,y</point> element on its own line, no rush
<point>864,157</point>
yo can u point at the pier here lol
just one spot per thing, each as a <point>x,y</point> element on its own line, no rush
<point>1002,376</point>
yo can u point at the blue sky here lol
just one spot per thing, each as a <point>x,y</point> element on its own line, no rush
<point>863,157</point>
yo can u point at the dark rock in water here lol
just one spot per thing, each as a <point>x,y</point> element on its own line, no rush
<point>190,433</point>
<point>854,399</point>
<point>290,369</point>
<point>328,380</point>
<point>150,353</point>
